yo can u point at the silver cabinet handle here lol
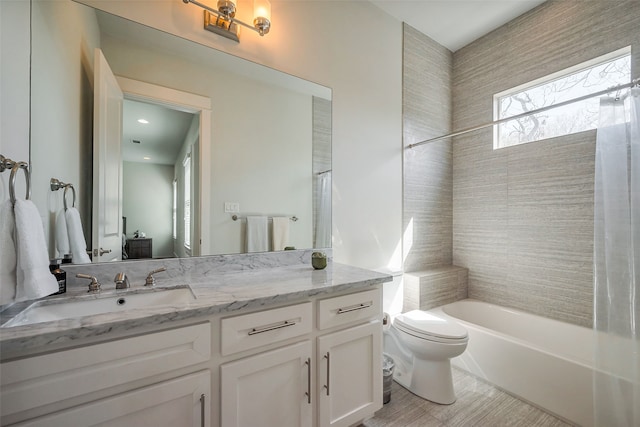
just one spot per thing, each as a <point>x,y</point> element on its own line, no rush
<point>260,330</point>
<point>327,356</point>
<point>202,423</point>
<point>308,393</point>
<point>354,307</point>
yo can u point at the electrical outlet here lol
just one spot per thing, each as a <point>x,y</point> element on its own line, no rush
<point>231,207</point>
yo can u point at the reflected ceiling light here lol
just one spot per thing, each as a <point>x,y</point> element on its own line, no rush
<point>143,121</point>
<point>146,158</point>
<point>223,22</point>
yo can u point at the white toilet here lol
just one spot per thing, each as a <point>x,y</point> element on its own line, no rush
<point>422,345</point>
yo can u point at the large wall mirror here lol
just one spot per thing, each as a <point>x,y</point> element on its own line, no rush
<point>200,136</point>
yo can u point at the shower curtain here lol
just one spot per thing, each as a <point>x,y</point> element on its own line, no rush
<point>617,262</point>
<point>323,215</point>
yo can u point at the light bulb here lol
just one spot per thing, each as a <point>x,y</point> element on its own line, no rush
<point>227,7</point>
<point>262,16</point>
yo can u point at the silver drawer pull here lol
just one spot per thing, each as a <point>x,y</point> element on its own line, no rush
<point>272,327</point>
<point>355,307</point>
<point>202,422</point>
<point>308,393</point>
<point>328,357</point>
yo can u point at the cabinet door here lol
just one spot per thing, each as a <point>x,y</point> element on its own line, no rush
<point>270,389</point>
<point>184,401</point>
<point>349,374</point>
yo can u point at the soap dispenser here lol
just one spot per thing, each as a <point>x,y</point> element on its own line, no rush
<point>61,275</point>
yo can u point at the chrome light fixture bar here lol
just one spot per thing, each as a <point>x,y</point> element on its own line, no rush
<point>224,23</point>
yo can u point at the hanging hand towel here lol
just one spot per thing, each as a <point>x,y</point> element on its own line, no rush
<point>76,237</point>
<point>280,232</point>
<point>62,235</point>
<point>257,234</point>
<point>34,278</point>
<point>7,254</point>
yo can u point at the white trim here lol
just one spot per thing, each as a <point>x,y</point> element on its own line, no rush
<point>139,90</point>
<point>625,51</point>
<point>190,103</point>
<point>591,63</point>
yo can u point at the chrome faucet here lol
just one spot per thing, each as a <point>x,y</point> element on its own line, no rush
<point>151,281</point>
<point>122,281</point>
<point>94,286</point>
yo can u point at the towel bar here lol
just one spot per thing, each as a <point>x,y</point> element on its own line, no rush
<point>236,217</point>
<point>56,184</point>
<point>6,163</point>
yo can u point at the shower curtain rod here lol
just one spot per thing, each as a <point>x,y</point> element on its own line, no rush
<point>633,83</point>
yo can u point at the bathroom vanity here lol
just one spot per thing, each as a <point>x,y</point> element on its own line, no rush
<point>279,346</point>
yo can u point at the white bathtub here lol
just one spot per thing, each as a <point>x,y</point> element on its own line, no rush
<point>543,361</point>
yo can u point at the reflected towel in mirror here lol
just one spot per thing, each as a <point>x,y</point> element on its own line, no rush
<point>280,232</point>
<point>62,235</point>
<point>257,234</point>
<point>76,237</point>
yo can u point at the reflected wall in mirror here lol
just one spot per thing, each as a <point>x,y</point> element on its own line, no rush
<point>267,153</point>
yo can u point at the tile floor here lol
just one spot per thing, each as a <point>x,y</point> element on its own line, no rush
<point>479,404</point>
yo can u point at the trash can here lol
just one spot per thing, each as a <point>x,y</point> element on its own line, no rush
<point>387,377</point>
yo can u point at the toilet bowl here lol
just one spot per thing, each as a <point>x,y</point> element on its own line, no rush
<point>422,345</point>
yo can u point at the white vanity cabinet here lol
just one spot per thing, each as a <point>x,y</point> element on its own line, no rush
<point>313,363</point>
<point>183,401</point>
<point>349,375</point>
<point>269,389</point>
<point>338,384</point>
<point>349,366</point>
<point>116,383</point>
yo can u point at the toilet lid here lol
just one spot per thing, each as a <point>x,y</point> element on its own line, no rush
<point>423,323</point>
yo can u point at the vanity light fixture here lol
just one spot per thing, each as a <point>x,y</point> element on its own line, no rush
<point>223,22</point>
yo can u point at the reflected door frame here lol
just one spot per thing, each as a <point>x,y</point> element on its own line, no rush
<point>191,103</point>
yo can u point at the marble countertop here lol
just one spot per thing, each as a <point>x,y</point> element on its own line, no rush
<point>215,293</point>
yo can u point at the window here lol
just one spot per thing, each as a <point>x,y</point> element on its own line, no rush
<point>593,76</point>
<point>175,209</point>
<point>187,202</point>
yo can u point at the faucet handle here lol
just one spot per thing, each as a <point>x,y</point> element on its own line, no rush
<point>122,281</point>
<point>151,281</point>
<point>94,286</point>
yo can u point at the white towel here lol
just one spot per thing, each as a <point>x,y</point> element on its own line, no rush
<point>7,254</point>
<point>257,234</point>
<point>62,235</point>
<point>280,232</point>
<point>76,237</point>
<point>34,278</point>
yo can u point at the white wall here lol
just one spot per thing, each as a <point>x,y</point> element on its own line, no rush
<point>14,88</point>
<point>64,36</point>
<point>356,49</point>
<point>147,203</point>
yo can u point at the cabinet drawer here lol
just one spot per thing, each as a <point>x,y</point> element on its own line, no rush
<point>184,401</point>
<point>264,327</point>
<point>350,308</point>
<point>41,380</point>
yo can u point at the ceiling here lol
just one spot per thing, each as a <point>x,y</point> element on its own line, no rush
<point>456,23</point>
<point>160,140</point>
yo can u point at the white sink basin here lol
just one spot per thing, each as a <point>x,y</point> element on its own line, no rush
<point>47,311</point>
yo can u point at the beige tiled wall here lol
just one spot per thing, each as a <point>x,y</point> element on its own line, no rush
<point>427,217</point>
<point>434,287</point>
<point>523,216</point>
